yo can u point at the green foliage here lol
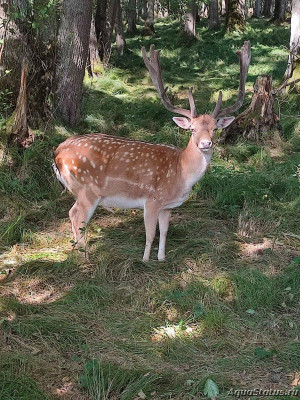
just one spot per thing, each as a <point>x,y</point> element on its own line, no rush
<point>5,102</point>
<point>211,389</point>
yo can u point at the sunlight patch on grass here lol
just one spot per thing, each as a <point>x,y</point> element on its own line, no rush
<point>256,249</point>
<point>180,330</point>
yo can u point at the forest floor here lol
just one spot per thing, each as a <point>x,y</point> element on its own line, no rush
<point>225,304</point>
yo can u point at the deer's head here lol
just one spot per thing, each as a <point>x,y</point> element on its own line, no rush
<point>202,126</point>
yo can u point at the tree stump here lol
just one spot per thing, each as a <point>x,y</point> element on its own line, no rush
<point>258,118</point>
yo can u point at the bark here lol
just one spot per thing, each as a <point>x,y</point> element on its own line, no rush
<point>257,7</point>
<point>223,7</point>
<point>267,8</point>
<point>131,17</point>
<point>282,10</point>
<point>203,11</point>
<point>149,23</point>
<point>109,27</point>
<point>93,63</point>
<point>120,38</point>
<point>279,11</point>
<point>100,26</point>
<point>214,21</point>
<point>143,9</point>
<point>235,19</point>
<point>17,129</point>
<point>73,46</point>
<point>189,20</point>
<point>258,118</point>
<point>293,67</point>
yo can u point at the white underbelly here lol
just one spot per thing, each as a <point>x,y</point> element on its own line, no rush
<point>122,202</point>
<point>177,202</point>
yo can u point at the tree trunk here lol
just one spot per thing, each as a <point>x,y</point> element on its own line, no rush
<point>131,17</point>
<point>144,9</point>
<point>293,67</point>
<point>223,7</point>
<point>203,11</point>
<point>282,10</point>
<point>279,11</point>
<point>100,26</point>
<point>267,8</point>
<point>73,45</point>
<point>236,19</point>
<point>109,26</point>
<point>189,19</point>
<point>120,39</point>
<point>259,116</point>
<point>256,11</point>
<point>149,23</point>
<point>93,63</point>
<point>214,22</point>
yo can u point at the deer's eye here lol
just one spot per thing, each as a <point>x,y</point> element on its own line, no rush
<point>193,130</point>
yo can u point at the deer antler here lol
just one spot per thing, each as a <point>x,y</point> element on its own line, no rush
<point>153,65</point>
<point>245,56</point>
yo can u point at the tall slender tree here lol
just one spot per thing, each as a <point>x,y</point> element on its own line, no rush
<point>143,9</point>
<point>214,21</point>
<point>131,19</point>
<point>73,45</point>
<point>267,8</point>
<point>279,11</point>
<point>293,66</point>
<point>93,63</point>
<point>189,19</point>
<point>235,18</point>
<point>149,23</point>
<point>119,28</point>
<point>105,19</point>
<point>256,10</point>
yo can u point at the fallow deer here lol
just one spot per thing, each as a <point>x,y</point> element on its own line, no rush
<point>119,172</point>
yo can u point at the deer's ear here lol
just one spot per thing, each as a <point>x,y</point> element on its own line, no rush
<point>184,123</point>
<point>223,122</point>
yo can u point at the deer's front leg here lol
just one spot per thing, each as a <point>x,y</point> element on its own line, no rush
<point>163,218</point>
<point>150,218</point>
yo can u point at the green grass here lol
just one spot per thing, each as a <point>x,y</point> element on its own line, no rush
<point>108,325</point>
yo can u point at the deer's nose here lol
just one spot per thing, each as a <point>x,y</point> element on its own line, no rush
<point>205,144</point>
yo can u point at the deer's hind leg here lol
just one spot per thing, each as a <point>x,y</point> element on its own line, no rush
<point>81,213</point>
<point>151,211</point>
<point>163,220</point>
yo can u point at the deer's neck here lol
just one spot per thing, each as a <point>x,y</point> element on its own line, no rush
<point>194,162</point>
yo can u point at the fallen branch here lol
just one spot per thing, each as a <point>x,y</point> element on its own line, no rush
<point>285,84</point>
